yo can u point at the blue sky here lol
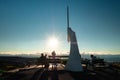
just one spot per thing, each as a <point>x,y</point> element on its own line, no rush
<point>26,25</point>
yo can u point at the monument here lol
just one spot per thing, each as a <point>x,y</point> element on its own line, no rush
<point>74,60</point>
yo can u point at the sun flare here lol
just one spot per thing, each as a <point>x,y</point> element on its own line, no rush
<point>53,42</point>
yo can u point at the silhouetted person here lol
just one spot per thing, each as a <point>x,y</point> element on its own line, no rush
<point>42,60</point>
<point>93,59</point>
<point>53,57</point>
<point>46,62</point>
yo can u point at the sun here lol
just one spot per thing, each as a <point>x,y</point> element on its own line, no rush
<point>53,42</point>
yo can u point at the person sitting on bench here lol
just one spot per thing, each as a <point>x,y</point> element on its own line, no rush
<point>93,60</point>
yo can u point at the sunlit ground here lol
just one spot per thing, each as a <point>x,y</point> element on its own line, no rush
<point>59,66</point>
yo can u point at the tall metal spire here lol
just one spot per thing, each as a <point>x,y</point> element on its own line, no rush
<point>67,16</point>
<point>74,61</point>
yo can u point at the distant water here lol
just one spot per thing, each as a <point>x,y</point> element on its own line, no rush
<point>107,58</point>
